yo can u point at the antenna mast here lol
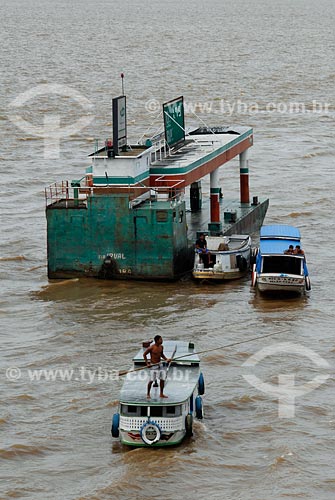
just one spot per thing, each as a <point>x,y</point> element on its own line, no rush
<point>122,77</point>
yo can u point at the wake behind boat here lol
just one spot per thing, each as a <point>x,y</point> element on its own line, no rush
<point>280,263</point>
<point>157,421</point>
<point>227,258</point>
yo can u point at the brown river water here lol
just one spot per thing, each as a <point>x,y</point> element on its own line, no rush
<point>235,62</point>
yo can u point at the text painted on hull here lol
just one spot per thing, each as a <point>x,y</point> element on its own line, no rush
<point>116,256</point>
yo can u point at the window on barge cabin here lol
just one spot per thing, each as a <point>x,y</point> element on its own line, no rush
<point>161,216</point>
<point>281,264</point>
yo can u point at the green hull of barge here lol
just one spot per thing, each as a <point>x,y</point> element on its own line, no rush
<point>105,237</point>
<point>126,218</point>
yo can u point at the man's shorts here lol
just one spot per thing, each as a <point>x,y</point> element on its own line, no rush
<point>157,372</point>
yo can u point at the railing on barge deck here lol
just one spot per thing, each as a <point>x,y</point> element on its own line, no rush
<point>75,194</point>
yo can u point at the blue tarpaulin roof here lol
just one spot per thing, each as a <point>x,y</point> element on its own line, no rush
<point>276,246</point>
<point>280,231</point>
<point>276,239</point>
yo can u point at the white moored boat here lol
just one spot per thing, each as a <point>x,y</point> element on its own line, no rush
<point>160,421</point>
<point>277,268</point>
<point>230,256</point>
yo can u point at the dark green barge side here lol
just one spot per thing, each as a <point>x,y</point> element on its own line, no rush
<point>127,217</point>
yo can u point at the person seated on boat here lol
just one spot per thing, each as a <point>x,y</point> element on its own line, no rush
<point>223,247</point>
<point>290,250</point>
<point>201,248</point>
<point>298,250</point>
<point>155,365</point>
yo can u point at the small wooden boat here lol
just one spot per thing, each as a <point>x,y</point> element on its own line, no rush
<point>229,256</point>
<point>159,421</point>
<point>279,266</point>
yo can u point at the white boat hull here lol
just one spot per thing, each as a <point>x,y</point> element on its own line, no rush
<point>229,264</point>
<point>285,284</point>
<point>208,274</point>
<point>279,267</point>
<point>133,438</point>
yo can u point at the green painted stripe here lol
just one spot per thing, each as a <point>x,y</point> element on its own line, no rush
<point>201,161</point>
<point>121,180</point>
<point>244,170</point>
<point>215,190</point>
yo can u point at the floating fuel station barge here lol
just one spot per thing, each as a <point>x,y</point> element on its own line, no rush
<point>126,217</point>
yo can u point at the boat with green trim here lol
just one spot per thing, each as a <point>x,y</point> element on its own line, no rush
<point>127,217</point>
<point>161,421</point>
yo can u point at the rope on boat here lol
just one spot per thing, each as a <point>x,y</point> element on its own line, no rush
<point>125,372</point>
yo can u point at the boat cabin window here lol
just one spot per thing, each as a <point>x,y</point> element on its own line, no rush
<point>143,411</point>
<point>133,411</point>
<point>156,411</point>
<point>281,264</point>
<point>165,411</point>
<point>173,411</point>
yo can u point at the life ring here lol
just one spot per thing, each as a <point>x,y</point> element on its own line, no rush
<point>189,424</point>
<point>308,283</point>
<point>201,384</point>
<point>198,407</point>
<point>150,432</point>
<point>115,425</point>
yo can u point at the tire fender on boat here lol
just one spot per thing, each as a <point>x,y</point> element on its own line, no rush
<point>198,408</point>
<point>150,432</point>
<point>308,283</point>
<point>241,263</point>
<point>189,424</point>
<point>115,425</point>
<point>201,384</point>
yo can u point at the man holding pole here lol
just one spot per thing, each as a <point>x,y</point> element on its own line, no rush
<point>155,365</point>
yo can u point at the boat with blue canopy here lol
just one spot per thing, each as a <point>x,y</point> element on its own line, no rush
<point>280,263</point>
<point>160,421</point>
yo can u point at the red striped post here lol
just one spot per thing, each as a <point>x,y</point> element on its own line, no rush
<point>244,178</point>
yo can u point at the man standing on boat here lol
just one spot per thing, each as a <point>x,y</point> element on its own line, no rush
<point>155,365</point>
